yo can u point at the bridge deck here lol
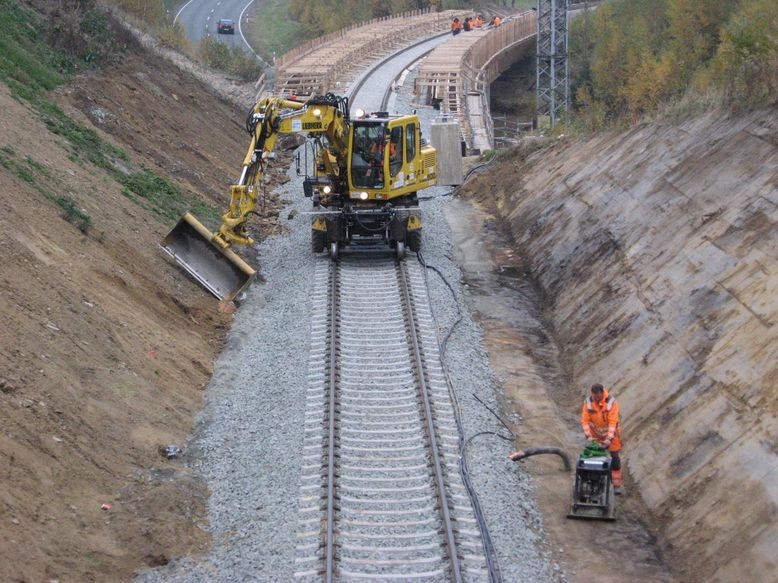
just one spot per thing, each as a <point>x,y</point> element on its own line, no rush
<point>338,58</point>
<point>454,77</point>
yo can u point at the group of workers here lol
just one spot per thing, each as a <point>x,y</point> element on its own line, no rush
<point>470,23</point>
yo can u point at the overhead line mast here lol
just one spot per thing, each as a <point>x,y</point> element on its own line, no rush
<point>552,84</point>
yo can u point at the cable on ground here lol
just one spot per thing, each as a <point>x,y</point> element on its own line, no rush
<point>490,552</point>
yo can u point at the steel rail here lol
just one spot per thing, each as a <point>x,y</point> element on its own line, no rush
<point>332,409</point>
<point>456,571</point>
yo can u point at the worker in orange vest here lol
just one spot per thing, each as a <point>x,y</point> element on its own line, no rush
<point>456,26</point>
<point>600,422</point>
<point>496,21</point>
<point>479,21</point>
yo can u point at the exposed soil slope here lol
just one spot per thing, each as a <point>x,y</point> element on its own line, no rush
<point>105,345</point>
<point>656,254</point>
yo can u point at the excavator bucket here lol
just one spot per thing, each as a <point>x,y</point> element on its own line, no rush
<point>221,271</point>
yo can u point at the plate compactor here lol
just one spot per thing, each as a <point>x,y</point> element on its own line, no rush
<point>593,495</point>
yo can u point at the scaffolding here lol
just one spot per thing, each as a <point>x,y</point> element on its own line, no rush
<point>552,67</point>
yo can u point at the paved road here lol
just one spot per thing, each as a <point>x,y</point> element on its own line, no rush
<point>199,18</point>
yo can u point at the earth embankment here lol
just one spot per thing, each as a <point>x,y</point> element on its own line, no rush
<point>105,346</point>
<point>656,253</point>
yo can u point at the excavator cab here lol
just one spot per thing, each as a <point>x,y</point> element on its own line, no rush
<point>388,160</point>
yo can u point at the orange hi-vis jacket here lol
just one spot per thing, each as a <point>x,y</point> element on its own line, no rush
<point>600,420</point>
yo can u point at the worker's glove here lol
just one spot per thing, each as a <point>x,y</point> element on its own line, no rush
<point>606,444</point>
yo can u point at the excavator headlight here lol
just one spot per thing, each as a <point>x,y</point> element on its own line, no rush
<point>359,113</point>
<point>317,112</point>
<point>327,189</point>
<point>363,195</point>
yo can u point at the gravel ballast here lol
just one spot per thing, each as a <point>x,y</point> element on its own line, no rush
<point>249,442</point>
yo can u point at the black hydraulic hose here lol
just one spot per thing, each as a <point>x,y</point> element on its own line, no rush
<point>366,227</point>
<point>469,173</point>
<point>521,454</point>
<point>444,342</point>
<point>492,562</point>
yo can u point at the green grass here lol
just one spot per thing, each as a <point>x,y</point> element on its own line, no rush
<point>273,30</point>
<point>72,214</point>
<point>30,171</point>
<point>87,145</point>
<point>30,69</point>
<point>26,63</point>
<point>160,196</point>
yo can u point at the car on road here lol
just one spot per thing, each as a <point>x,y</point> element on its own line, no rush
<point>225,26</point>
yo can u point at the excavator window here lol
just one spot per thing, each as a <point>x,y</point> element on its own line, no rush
<point>367,156</point>
<point>395,151</point>
<point>410,142</point>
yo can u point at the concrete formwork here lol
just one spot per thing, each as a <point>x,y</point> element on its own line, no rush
<point>331,62</point>
<point>456,76</point>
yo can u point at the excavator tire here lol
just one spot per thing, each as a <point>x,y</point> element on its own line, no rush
<point>413,238</point>
<point>318,240</point>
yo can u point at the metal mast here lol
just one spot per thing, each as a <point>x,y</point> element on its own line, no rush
<point>552,86</point>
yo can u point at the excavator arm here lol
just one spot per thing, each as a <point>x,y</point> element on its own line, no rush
<point>269,119</point>
<point>208,256</point>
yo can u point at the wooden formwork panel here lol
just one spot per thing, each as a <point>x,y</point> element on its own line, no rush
<point>339,58</point>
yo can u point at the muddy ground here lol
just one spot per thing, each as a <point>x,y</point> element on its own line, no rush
<point>105,346</point>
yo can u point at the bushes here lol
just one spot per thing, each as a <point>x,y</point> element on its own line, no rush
<point>746,63</point>
<point>150,11</point>
<point>632,57</point>
<point>173,36</point>
<point>231,60</point>
<point>84,34</point>
<point>325,16</point>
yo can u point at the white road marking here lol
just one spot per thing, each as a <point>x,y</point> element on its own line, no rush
<point>182,9</point>
<point>240,31</point>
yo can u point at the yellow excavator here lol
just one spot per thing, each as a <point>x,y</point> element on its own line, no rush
<point>362,175</point>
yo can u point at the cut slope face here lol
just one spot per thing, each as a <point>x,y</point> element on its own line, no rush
<point>657,250</point>
<point>105,346</point>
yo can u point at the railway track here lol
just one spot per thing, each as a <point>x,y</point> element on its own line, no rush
<point>381,494</point>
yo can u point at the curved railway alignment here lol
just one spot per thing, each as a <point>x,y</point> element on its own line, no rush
<point>334,61</point>
<point>455,76</point>
<point>381,493</point>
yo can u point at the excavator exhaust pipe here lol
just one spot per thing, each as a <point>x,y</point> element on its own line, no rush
<point>221,271</point>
